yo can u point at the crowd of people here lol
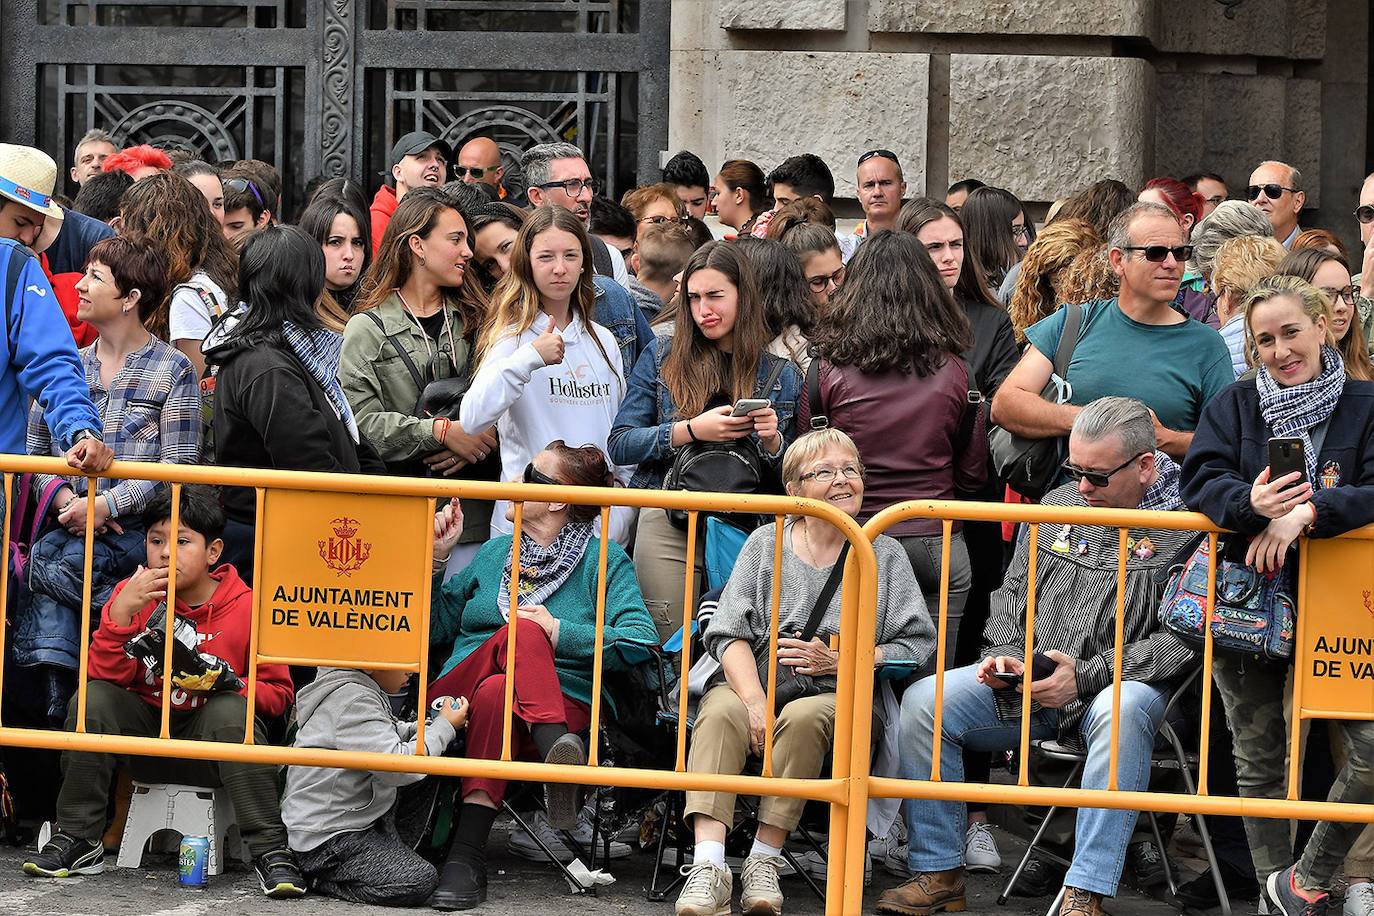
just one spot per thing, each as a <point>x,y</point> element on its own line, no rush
<point>472,323</point>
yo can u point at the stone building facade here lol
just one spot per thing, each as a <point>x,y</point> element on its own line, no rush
<point>1041,97</point>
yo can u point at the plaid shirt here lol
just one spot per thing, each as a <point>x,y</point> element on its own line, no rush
<point>151,412</point>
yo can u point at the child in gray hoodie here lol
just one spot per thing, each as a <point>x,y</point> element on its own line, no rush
<point>340,821</point>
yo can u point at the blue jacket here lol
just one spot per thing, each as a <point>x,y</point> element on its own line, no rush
<point>1231,447</point>
<point>38,359</point>
<point>617,313</point>
<point>643,430</point>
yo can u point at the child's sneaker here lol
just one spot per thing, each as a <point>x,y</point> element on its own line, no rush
<point>64,855</point>
<point>279,875</point>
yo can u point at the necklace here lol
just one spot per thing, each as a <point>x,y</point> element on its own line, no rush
<point>806,540</point>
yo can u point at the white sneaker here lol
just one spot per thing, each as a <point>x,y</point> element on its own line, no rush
<point>891,850</point>
<point>1359,899</point>
<point>523,845</point>
<point>817,864</point>
<point>706,891</point>
<point>759,891</point>
<point>980,849</point>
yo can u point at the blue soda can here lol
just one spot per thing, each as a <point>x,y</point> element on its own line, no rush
<point>193,862</point>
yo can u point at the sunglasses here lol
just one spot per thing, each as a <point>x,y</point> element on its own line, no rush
<point>474,173</point>
<point>1271,191</point>
<point>534,475</point>
<point>239,185</point>
<point>1365,214</point>
<point>884,153</point>
<point>1096,478</point>
<point>1157,253</point>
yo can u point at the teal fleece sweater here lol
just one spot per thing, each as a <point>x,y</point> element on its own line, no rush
<point>465,615</point>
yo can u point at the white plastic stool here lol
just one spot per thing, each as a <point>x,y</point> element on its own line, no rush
<point>185,810</point>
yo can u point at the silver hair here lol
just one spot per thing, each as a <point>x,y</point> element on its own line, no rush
<point>94,135</point>
<point>1119,232</point>
<point>536,160</point>
<point>1126,418</point>
<point>1294,176</point>
<point>1231,219</point>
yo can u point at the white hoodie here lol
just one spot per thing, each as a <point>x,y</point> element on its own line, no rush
<point>532,404</point>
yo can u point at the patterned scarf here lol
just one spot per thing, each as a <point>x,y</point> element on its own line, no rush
<point>1295,410</point>
<point>319,352</point>
<point>544,569</point>
<point>1163,493</point>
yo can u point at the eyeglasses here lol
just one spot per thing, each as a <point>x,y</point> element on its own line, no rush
<point>239,185</point>
<point>1216,199</point>
<point>884,153</point>
<point>1348,293</point>
<point>1157,253</point>
<point>819,283</point>
<point>534,475</point>
<point>1271,191</point>
<point>573,186</point>
<point>825,475</point>
<point>475,173</point>
<point>1099,479</point>
<point>1365,214</point>
<point>660,220</point>
<point>1018,232</point>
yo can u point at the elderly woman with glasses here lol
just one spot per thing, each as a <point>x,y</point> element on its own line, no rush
<point>729,727</point>
<point>555,640</point>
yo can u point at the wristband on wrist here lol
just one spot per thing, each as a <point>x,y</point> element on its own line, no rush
<point>690,433</point>
<point>109,500</point>
<point>442,424</point>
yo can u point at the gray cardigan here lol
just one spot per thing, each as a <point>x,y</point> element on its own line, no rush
<point>347,710</point>
<point>904,632</point>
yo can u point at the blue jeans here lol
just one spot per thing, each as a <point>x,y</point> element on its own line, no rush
<point>970,722</point>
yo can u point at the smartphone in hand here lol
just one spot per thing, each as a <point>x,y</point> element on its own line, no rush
<point>1286,455</point>
<point>745,406</point>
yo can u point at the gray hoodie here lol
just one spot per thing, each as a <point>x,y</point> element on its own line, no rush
<point>346,710</point>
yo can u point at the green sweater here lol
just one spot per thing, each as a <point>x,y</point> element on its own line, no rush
<point>465,615</point>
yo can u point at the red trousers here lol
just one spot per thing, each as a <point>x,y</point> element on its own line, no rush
<point>539,698</point>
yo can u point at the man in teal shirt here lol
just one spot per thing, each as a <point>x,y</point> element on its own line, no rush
<point>1136,345</point>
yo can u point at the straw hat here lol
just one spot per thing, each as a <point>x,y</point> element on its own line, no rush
<point>27,177</point>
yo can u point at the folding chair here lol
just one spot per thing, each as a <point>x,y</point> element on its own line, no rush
<point>1174,756</point>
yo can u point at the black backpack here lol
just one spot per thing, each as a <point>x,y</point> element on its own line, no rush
<point>724,467</point>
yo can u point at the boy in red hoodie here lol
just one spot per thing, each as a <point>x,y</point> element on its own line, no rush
<point>124,693</point>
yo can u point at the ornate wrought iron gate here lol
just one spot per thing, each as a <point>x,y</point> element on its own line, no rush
<point>323,86</point>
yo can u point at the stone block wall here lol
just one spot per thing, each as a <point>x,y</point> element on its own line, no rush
<point>1039,96</point>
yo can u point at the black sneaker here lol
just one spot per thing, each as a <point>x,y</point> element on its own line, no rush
<point>1040,878</point>
<point>1146,864</point>
<point>64,855</point>
<point>561,798</point>
<point>1201,892</point>
<point>462,885</point>
<point>1286,900</point>
<point>279,875</point>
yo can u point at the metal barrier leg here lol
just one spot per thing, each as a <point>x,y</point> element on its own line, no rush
<point>1163,856</point>
<point>577,886</point>
<point>1199,819</point>
<point>672,816</point>
<point>1058,902</point>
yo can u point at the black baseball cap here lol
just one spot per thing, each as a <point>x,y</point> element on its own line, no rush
<point>417,141</point>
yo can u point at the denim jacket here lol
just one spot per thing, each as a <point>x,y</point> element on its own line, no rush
<point>643,430</point>
<point>617,313</point>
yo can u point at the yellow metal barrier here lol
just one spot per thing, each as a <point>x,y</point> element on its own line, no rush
<point>295,508</point>
<point>1329,561</point>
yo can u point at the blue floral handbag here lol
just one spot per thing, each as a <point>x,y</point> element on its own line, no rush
<point>1254,615</point>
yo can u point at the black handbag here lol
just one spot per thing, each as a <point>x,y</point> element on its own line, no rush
<point>724,467</point>
<point>791,685</point>
<point>1031,466</point>
<point>438,398</point>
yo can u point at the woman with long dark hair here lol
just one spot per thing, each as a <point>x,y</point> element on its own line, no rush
<point>278,401</point>
<point>1329,271</point>
<point>788,309</point>
<point>545,369</point>
<point>683,390</point>
<point>201,265</point>
<point>420,306</point>
<point>889,349</point>
<point>994,229</point>
<point>342,229</point>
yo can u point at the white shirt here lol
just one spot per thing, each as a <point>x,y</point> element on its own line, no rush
<point>190,318</point>
<point>532,404</point>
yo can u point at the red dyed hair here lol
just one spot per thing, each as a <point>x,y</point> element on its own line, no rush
<point>136,157</point>
<point>1180,198</point>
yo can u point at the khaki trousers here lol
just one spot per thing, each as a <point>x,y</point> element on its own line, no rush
<point>661,567</point>
<point>803,733</point>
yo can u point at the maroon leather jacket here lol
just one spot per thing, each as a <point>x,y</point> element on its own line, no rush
<point>906,427</point>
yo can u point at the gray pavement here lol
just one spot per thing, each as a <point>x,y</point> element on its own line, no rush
<point>516,887</point>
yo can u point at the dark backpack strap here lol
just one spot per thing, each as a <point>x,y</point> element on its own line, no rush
<point>832,582</point>
<point>972,406</point>
<point>819,418</point>
<point>1068,337</point>
<point>778,365</point>
<point>601,258</point>
<point>400,350</point>
<point>41,510</point>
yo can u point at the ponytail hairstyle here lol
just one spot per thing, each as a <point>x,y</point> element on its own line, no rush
<point>695,369</point>
<point>581,466</point>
